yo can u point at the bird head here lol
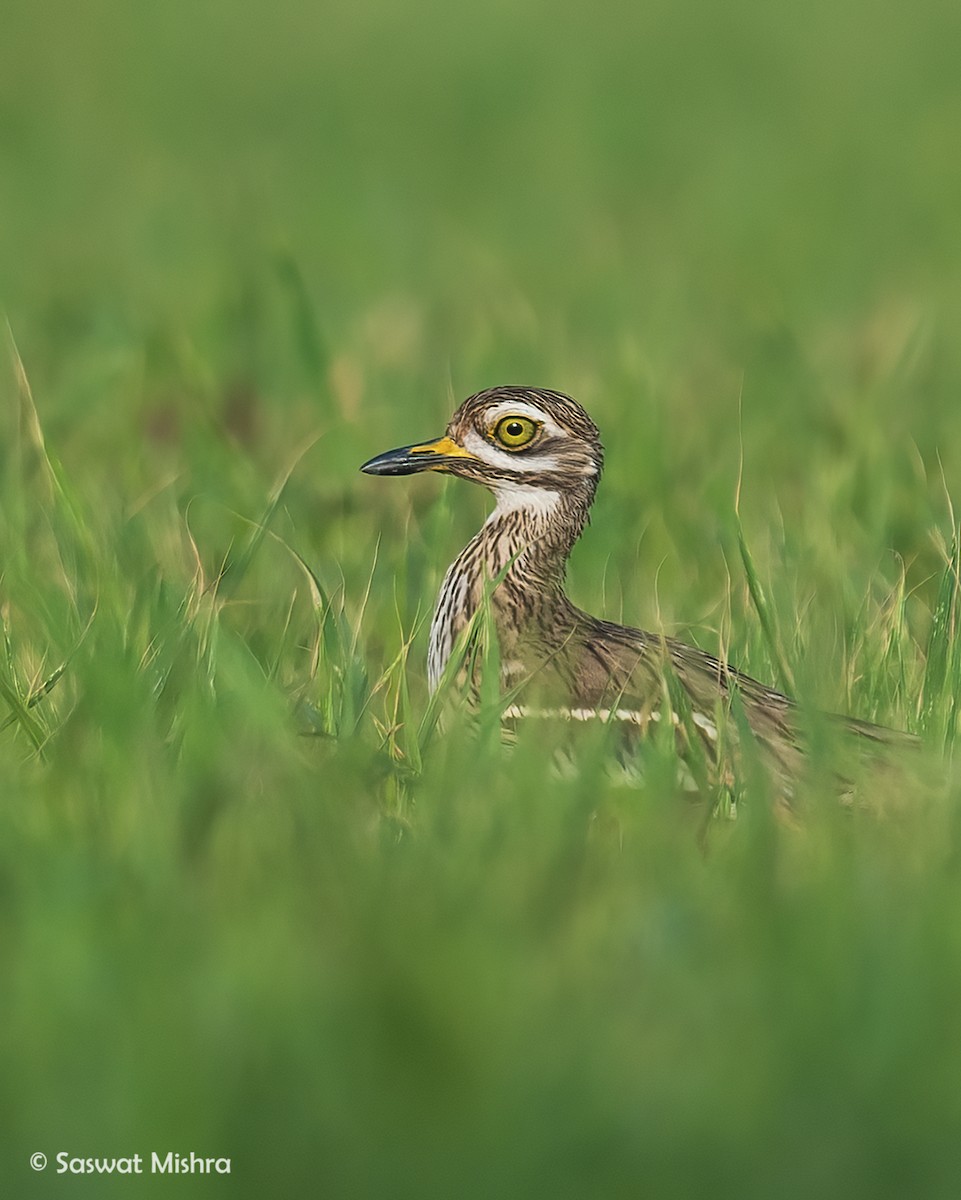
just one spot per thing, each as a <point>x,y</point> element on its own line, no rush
<point>514,440</point>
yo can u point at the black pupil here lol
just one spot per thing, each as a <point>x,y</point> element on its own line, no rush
<point>514,429</point>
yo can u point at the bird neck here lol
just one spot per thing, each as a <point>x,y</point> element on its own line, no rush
<point>523,547</point>
<point>529,536</point>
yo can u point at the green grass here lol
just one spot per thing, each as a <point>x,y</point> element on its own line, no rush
<point>254,901</point>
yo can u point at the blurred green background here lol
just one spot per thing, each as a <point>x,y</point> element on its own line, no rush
<point>249,904</point>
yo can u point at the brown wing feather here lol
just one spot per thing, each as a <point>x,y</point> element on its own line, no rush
<point>616,667</point>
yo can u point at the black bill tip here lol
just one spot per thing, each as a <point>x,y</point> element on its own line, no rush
<point>402,461</point>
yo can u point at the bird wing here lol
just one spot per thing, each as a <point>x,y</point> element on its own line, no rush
<point>630,671</point>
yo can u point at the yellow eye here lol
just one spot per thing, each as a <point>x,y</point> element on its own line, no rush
<point>514,433</point>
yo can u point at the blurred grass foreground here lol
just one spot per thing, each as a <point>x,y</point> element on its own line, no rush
<point>252,902</point>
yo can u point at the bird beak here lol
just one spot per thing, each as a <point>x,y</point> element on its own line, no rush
<point>407,460</point>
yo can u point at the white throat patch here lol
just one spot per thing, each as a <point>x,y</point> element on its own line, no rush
<point>514,497</point>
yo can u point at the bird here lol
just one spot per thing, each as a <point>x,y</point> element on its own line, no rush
<point>540,454</point>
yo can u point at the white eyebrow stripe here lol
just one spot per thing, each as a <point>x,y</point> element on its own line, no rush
<point>481,448</point>
<point>521,409</point>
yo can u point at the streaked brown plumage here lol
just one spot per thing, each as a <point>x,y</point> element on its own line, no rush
<point>540,454</point>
